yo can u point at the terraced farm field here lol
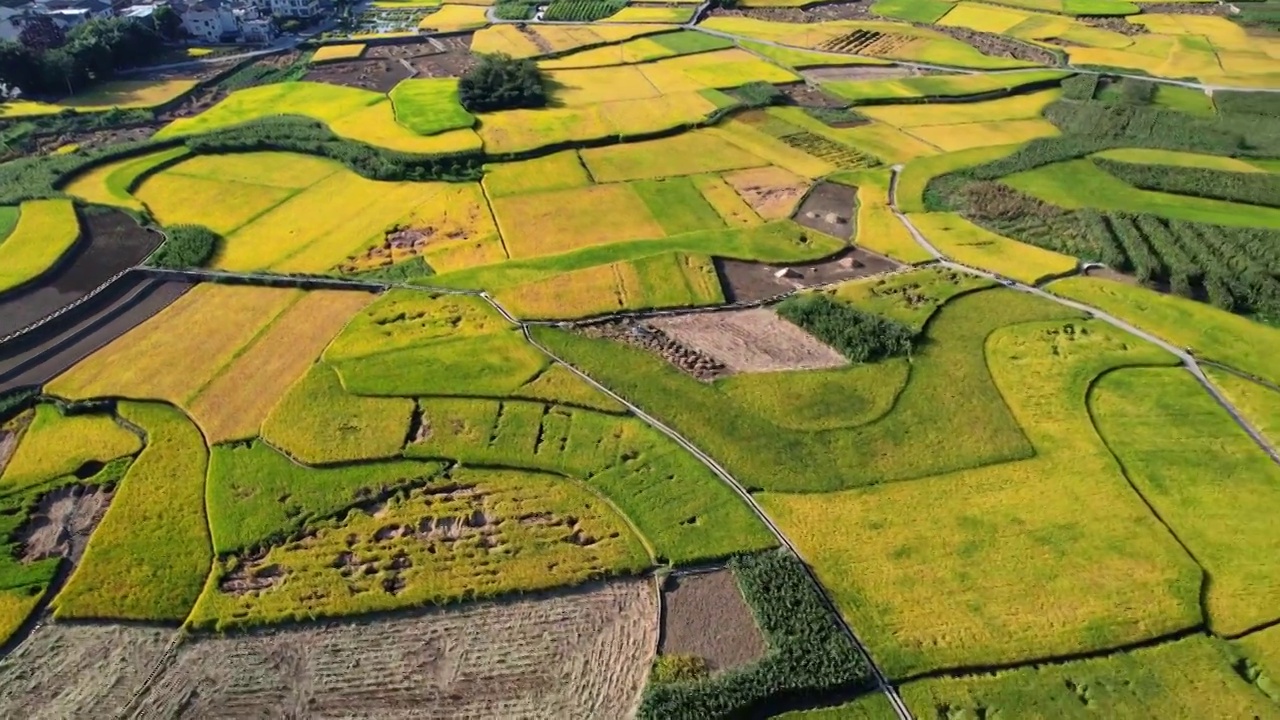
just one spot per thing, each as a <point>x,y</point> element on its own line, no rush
<point>637,360</point>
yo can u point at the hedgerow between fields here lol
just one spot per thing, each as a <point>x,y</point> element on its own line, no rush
<point>808,653</point>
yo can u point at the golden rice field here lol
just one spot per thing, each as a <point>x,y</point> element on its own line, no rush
<point>557,171</point>
<point>330,53</point>
<point>511,40</point>
<point>46,231</point>
<point>667,280</point>
<point>235,402</point>
<point>1072,559</point>
<point>353,113</point>
<point>559,221</point>
<point>700,151</point>
<point>978,247</point>
<point>451,18</point>
<point>124,94</point>
<point>112,183</point>
<point>172,356</point>
<point>878,229</point>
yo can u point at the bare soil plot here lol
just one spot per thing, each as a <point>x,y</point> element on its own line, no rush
<point>582,654</point>
<point>754,340</point>
<point>772,192</point>
<point>829,208</point>
<point>646,337</point>
<point>1107,273</point>
<point>860,72</point>
<point>43,354</point>
<point>432,57</point>
<point>999,45</point>
<point>66,670</point>
<point>62,522</point>
<point>705,615</point>
<point>378,75</point>
<point>806,95</point>
<point>817,13</point>
<point>749,282</point>
<point>112,242</point>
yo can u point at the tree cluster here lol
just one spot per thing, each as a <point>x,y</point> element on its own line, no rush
<point>500,82</point>
<point>187,246</point>
<point>808,654</point>
<point>859,336</point>
<point>46,62</point>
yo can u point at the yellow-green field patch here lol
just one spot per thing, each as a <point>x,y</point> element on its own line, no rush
<point>563,220</point>
<point>46,231</point>
<point>685,154</point>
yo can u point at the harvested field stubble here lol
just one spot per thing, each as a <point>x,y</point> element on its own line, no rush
<point>705,615</point>
<point>576,654</point>
<point>79,670</point>
<point>755,340</point>
<point>201,333</point>
<point>1083,568</point>
<point>476,534</point>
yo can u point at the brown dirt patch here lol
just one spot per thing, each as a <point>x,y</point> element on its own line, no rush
<point>749,282</point>
<point>78,671</point>
<point>705,615</point>
<point>806,95</point>
<point>1116,24</point>
<point>62,522</point>
<point>818,13</point>
<point>378,75</point>
<point>1188,8</point>
<point>772,192</point>
<point>754,340</point>
<point>999,45</point>
<point>647,337</point>
<point>829,209</point>
<point>430,57</point>
<point>580,654</point>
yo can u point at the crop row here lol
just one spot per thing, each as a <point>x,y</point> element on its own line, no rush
<point>1234,268</point>
<point>582,10</point>
<point>1249,188</point>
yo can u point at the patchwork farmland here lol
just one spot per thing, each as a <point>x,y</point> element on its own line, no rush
<point>613,359</point>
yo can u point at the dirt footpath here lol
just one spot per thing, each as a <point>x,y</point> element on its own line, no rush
<point>78,671</point>
<point>705,615</point>
<point>582,654</point>
<point>754,340</point>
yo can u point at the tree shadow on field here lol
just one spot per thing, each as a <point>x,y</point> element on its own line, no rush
<point>554,88</point>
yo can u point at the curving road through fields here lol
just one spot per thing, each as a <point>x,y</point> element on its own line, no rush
<point>1188,360</point>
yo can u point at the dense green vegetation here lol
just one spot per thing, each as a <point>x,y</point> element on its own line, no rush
<point>47,60</point>
<point>500,82</point>
<point>808,653</point>
<point>39,177</point>
<point>582,10</point>
<point>1249,188</point>
<point>859,336</point>
<point>186,246</point>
